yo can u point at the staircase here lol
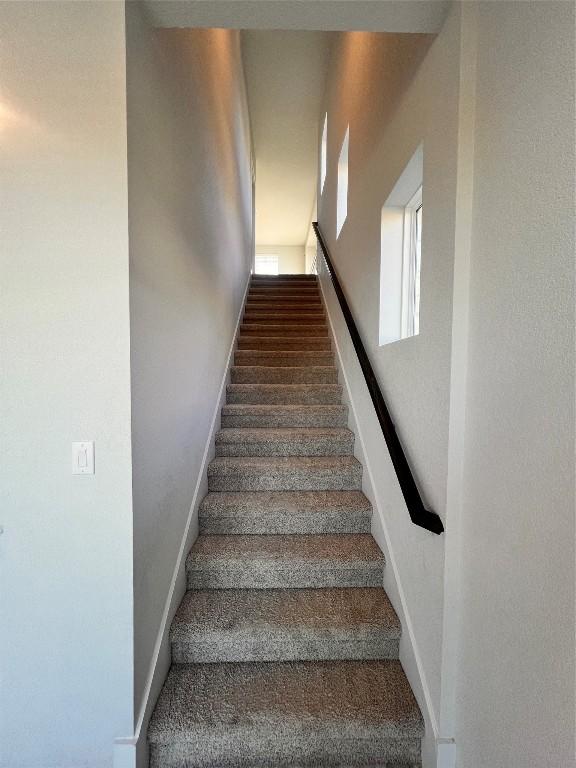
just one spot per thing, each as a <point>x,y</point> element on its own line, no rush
<point>285,647</point>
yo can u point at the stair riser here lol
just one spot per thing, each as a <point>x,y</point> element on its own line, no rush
<point>270,420</point>
<point>298,644</point>
<point>282,316</point>
<point>254,523</point>
<point>294,344</point>
<point>295,480</point>
<point>311,394</point>
<point>294,301</point>
<point>281,306</point>
<point>255,574</point>
<point>308,446</point>
<point>262,374</point>
<point>314,749</point>
<point>289,318</point>
<point>285,290</point>
<point>280,331</point>
<point>283,358</point>
<point>277,304</point>
<point>280,282</point>
<point>291,297</point>
<point>281,309</point>
<point>289,289</point>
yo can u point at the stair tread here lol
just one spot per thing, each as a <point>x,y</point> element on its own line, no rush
<point>285,354</point>
<point>285,512</point>
<point>262,318</point>
<point>287,367</point>
<point>263,434</point>
<point>290,290</point>
<point>274,561</point>
<point>284,393</point>
<point>361,697</point>
<point>226,503</point>
<point>284,441</point>
<point>287,387</point>
<point>282,463</point>
<point>276,343</point>
<point>344,609</point>
<point>349,548</point>
<point>264,409</point>
<point>316,330</point>
<point>283,374</point>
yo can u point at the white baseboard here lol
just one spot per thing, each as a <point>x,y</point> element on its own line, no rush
<point>420,686</point>
<point>131,751</point>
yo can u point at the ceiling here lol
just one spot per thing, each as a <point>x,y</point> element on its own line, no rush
<point>328,15</point>
<point>285,77</point>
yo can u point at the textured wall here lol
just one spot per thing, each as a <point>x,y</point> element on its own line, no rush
<point>516,672</point>
<point>190,256</point>
<point>65,555</point>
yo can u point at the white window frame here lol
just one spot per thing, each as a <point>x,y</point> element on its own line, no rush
<point>324,153</point>
<point>272,260</point>
<point>400,256</point>
<point>411,264</point>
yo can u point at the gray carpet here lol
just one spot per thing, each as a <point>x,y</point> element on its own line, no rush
<point>285,647</point>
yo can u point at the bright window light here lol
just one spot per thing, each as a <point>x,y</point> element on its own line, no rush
<point>411,258</point>
<point>323,153</point>
<point>342,191</point>
<point>266,264</point>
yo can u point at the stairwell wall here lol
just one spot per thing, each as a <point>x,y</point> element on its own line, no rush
<point>396,92</point>
<point>516,692</point>
<point>66,550</point>
<point>190,209</point>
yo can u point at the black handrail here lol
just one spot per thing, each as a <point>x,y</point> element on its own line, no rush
<point>416,509</point>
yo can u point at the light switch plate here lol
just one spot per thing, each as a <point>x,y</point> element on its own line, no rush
<point>83,458</point>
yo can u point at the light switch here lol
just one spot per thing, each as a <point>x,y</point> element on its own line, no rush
<point>83,458</point>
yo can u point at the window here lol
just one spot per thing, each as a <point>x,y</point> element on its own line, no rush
<point>266,264</point>
<point>342,190</point>
<point>323,153</point>
<point>401,248</point>
<point>411,257</point>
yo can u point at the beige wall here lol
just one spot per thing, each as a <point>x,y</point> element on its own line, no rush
<point>66,550</point>
<point>515,704</point>
<point>483,399</point>
<point>386,89</point>
<point>190,257</point>
<point>291,259</point>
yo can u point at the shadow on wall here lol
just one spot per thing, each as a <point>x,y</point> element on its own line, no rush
<point>202,64</point>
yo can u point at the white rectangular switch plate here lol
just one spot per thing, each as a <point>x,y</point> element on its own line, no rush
<point>83,458</point>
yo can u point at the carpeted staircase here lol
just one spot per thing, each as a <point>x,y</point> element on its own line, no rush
<point>285,647</point>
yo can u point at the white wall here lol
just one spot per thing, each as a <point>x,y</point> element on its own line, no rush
<point>498,202</point>
<point>291,260</point>
<point>190,257</point>
<point>65,554</point>
<point>515,706</point>
<point>396,92</point>
<point>285,77</point>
